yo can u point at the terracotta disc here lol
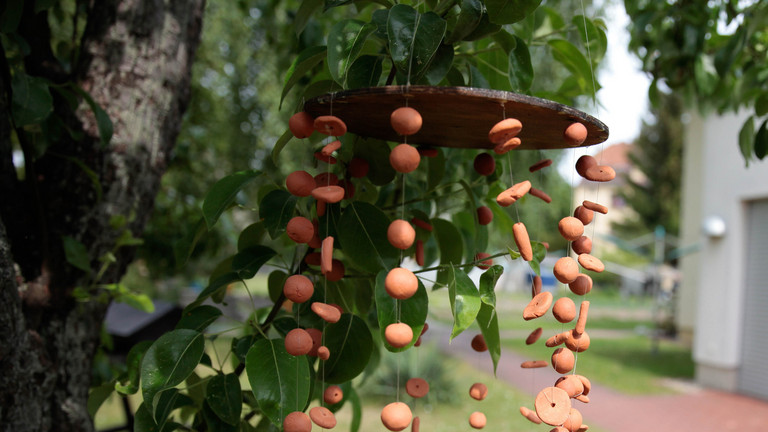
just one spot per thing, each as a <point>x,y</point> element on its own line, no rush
<point>417,387</point>
<point>553,406</point>
<point>323,417</point>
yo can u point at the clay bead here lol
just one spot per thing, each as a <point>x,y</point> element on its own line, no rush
<point>323,417</point>
<point>326,255</point>
<point>331,147</point>
<point>300,183</point>
<point>417,387</point>
<point>401,234</point>
<point>337,271</point>
<point>539,165</point>
<point>533,364</point>
<point>564,310</point>
<point>484,164</point>
<point>328,194</point>
<point>323,353</point>
<point>587,384</point>
<point>401,283</point>
<point>478,391</point>
<point>523,242</point>
<point>396,416</point>
<point>540,194</point>
<point>596,207</point>
<point>563,360</point>
<point>330,125</point>
<point>505,130</point>
<point>358,167</point>
<point>575,134</point>
<point>317,340</point>
<point>415,424</point>
<point>508,145</point>
<point>405,120</point>
<point>538,306</point>
<point>398,335</point>
<point>420,252</point>
<point>570,228</point>
<point>584,163</point>
<point>326,179</point>
<point>591,263</point>
<point>298,342</point>
<point>581,285</point>
<point>577,342</point>
<point>422,224</point>
<point>483,264</point>
<point>477,420</point>
<point>600,173</point>
<point>514,193</point>
<point>484,215</point>
<point>552,406</point>
<point>534,336</point>
<point>566,270</point>
<point>301,125</point>
<point>330,160</point>
<point>428,151</point>
<point>297,421</point>
<point>313,258</point>
<point>582,245</point>
<point>326,312</point>
<point>581,323</point>
<point>536,286</point>
<point>478,343</point>
<point>404,158</point>
<point>298,288</point>
<point>530,415</point>
<point>584,214</point>
<point>557,339</point>
<point>300,229</point>
<point>573,423</point>
<point>571,384</point>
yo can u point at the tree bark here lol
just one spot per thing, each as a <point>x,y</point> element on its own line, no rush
<point>135,61</point>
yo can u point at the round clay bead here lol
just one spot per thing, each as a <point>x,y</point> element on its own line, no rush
<point>328,194</point>
<point>323,417</point>
<point>301,125</point>
<point>300,229</point>
<point>297,421</point>
<point>522,241</point>
<point>563,360</point>
<point>405,120</point>
<point>401,234</point>
<point>575,134</point>
<point>538,306</point>
<point>564,310</point>
<point>404,158</point>
<point>313,258</point>
<point>478,343</point>
<point>333,394</point>
<point>298,288</point>
<point>330,125</point>
<point>584,214</point>
<point>484,164</point>
<point>570,228</point>
<point>478,391</point>
<point>358,167</point>
<point>505,130</point>
<point>600,173</point>
<point>396,416</point>
<point>484,215</point>
<point>566,270</point>
<point>552,406</point>
<point>401,283</point>
<point>477,420</point>
<point>317,340</point>
<point>337,271</point>
<point>573,423</point>
<point>584,163</point>
<point>484,263</point>
<point>530,415</point>
<point>591,263</point>
<point>323,353</point>
<point>571,384</point>
<point>582,245</point>
<point>417,387</point>
<point>298,342</point>
<point>398,335</point>
<point>300,183</point>
<point>581,285</point>
<point>577,342</point>
<point>326,312</point>
<point>534,336</point>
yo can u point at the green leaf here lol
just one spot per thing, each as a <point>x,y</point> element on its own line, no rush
<point>747,139</point>
<point>476,78</point>
<point>761,105</point>
<point>364,237</point>
<point>183,248</point>
<point>520,67</point>
<point>275,282</point>
<point>11,15</point>
<point>413,311</point>
<point>103,122</point>
<point>224,398</point>
<point>76,254</point>
<point>252,235</point>
<point>279,381</point>
<point>357,409</point>
<point>488,321</point>
<point>276,209</point>
<point>465,300</point>
<point>306,60</point>
<point>249,260</point>
<point>440,65</point>
<point>413,39</point>
<point>483,29</point>
<point>488,284</point>
<point>364,72</point>
<point>222,194</point>
<point>345,40</point>
<point>305,12</point>
<point>448,241</point>
<point>128,383</point>
<point>513,254</point>
<point>199,318</point>
<point>592,36</point>
<point>435,170</point>
<point>138,301</point>
<point>32,101</point>
<point>144,422</point>
<point>168,362</point>
<point>350,342</point>
<point>705,74</point>
<point>376,152</point>
<point>510,11</point>
<point>469,17</point>
<point>97,396</point>
<point>761,141</point>
<point>280,144</point>
<point>569,56</point>
<point>214,423</point>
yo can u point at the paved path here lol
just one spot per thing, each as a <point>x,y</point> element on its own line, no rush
<point>696,409</point>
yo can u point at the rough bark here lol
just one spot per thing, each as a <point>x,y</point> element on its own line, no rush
<point>135,61</point>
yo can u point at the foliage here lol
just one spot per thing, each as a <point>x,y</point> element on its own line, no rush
<point>714,56</point>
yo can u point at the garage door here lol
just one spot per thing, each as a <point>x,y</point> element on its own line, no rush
<point>753,378</point>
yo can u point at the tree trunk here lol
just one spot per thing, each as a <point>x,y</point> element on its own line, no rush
<point>135,62</point>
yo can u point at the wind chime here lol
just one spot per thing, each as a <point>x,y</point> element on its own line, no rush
<point>474,119</point>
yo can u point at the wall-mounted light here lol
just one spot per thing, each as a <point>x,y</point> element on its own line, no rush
<point>713,226</point>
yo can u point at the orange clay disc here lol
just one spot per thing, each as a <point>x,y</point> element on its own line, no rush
<point>323,353</point>
<point>582,245</point>
<point>326,312</point>
<point>478,391</point>
<point>584,163</point>
<point>571,384</point>
<point>485,264</point>
<point>298,288</point>
<point>328,194</point>
<point>530,415</point>
<point>415,424</point>
<point>534,336</point>
<point>574,421</point>
<point>509,196</point>
<point>591,263</point>
<point>330,125</point>
<point>300,229</point>
<point>522,241</point>
<point>478,343</point>
<point>566,270</point>
<point>298,342</point>
<point>326,179</point>
<point>570,228</point>
<point>577,342</point>
<point>301,125</point>
<point>331,147</point>
<point>300,183</point>
<point>405,120</point>
<point>337,271</point>
<point>575,134</point>
<point>404,158</point>
<point>564,310</point>
<point>398,335</point>
<point>505,130</point>
<point>552,406</point>
<point>600,173</point>
<point>484,215</point>
<point>417,387</point>
<point>538,306</point>
<point>358,167</point>
<point>323,417</point>
<point>563,360</point>
<point>401,283</point>
<point>297,421</point>
<point>584,214</point>
<point>484,164</point>
<point>533,364</point>
<point>477,420</point>
<point>508,145</point>
<point>401,234</point>
<point>317,340</point>
<point>581,285</point>
<point>396,416</point>
<point>540,164</point>
<point>333,395</point>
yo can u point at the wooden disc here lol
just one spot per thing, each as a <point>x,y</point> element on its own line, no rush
<point>456,116</point>
<point>553,406</point>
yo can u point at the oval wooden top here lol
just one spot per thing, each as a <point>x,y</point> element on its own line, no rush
<point>456,116</point>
